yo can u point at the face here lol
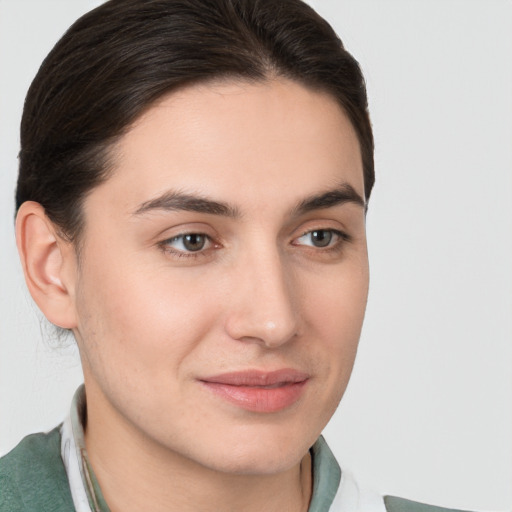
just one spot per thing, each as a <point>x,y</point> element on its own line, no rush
<point>223,275</point>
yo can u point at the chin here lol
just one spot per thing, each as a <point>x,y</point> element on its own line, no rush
<point>258,453</point>
<point>262,463</point>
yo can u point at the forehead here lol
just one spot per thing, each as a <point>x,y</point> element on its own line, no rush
<point>246,142</point>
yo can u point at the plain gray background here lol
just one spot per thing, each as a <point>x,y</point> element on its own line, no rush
<point>428,413</point>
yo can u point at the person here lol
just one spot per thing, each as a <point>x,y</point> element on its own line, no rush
<point>193,184</point>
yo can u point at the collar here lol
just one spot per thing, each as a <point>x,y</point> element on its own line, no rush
<point>333,490</point>
<point>85,489</point>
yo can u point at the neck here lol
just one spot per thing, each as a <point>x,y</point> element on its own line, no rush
<point>136,473</point>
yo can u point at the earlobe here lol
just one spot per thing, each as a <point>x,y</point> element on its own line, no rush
<point>48,263</point>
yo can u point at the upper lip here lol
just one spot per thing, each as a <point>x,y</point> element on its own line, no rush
<point>258,377</point>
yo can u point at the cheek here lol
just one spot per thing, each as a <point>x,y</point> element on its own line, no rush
<point>335,313</point>
<point>336,302</point>
<point>141,323</point>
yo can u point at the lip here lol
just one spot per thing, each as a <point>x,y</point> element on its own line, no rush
<point>259,391</point>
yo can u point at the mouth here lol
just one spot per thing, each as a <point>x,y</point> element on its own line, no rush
<point>259,391</point>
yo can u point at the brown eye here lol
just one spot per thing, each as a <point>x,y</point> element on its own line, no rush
<point>194,242</point>
<point>187,243</point>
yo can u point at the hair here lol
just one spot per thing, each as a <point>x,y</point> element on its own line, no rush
<point>115,61</point>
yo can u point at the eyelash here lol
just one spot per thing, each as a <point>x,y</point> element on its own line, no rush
<point>338,243</point>
<point>337,246</point>
<point>180,253</point>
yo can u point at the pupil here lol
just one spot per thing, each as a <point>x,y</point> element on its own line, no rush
<point>194,242</point>
<point>321,238</point>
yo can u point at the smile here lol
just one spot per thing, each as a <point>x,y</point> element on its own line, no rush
<point>258,391</point>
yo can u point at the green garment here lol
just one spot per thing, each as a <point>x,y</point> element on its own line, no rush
<point>394,504</point>
<point>33,479</point>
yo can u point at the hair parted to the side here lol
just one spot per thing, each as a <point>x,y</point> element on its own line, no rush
<point>115,61</point>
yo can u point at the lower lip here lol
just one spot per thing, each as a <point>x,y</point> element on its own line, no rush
<point>259,399</point>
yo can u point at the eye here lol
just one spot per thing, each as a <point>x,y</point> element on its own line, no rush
<point>189,242</point>
<point>321,238</point>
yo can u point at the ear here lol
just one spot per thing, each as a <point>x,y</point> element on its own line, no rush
<point>49,264</point>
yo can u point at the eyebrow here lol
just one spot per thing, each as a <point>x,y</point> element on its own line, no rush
<point>345,193</point>
<point>176,201</point>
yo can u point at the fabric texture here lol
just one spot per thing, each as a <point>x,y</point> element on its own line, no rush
<point>33,478</point>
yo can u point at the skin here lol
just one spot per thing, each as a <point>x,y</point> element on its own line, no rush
<point>152,319</point>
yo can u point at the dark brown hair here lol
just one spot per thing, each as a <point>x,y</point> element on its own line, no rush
<point>116,60</point>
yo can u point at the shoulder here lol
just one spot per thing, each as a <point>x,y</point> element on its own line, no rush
<point>33,478</point>
<point>394,504</point>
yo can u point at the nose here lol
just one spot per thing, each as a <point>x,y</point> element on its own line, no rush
<point>264,306</point>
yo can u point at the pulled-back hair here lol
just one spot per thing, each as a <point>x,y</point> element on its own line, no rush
<point>115,61</point>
